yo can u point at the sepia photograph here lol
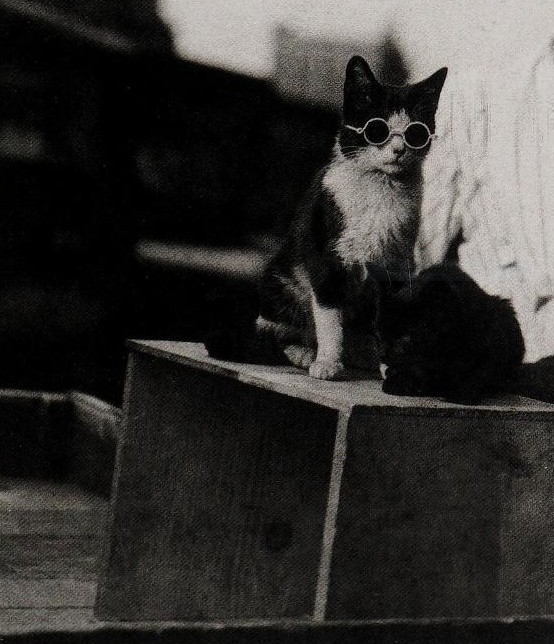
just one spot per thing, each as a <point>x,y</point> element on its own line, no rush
<point>276,322</point>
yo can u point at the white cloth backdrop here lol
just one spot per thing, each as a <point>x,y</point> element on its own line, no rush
<point>490,177</point>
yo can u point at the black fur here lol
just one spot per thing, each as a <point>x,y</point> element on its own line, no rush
<point>444,336</point>
<point>245,343</point>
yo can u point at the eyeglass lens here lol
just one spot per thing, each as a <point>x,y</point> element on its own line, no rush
<point>377,132</point>
<point>416,135</point>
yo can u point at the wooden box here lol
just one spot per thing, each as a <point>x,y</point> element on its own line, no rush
<point>256,492</point>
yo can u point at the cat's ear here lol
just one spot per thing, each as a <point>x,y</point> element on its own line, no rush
<point>361,88</point>
<point>358,74</point>
<point>424,96</point>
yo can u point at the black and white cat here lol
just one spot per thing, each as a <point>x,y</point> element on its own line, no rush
<point>318,301</point>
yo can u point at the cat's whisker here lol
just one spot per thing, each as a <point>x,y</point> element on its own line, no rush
<point>350,155</point>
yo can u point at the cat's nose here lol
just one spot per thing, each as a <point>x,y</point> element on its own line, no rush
<point>397,145</point>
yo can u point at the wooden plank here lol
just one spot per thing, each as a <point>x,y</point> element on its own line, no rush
<point>46,593</point>
<point>95,430</point>
<point>100,417</point>
<point>78,626</point>
<point>39,621</point>
<point>46,557</point>
<point>58,436</point>
<point>53,522</point>
<point>49,508</point>
<point>444,519</point>
<point>47,582</point>
<point>336,395</point>
<point>224,517</point>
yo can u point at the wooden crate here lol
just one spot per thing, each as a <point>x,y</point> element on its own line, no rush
<point>256,492</point>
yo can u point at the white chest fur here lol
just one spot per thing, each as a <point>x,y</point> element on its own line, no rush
<point>380,215</point>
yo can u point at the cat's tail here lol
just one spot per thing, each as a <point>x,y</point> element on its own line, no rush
<point>246,343</point>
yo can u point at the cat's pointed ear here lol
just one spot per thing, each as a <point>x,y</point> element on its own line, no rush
<point>358,74</point>
<point>425,95</point>
<point>361,88</point>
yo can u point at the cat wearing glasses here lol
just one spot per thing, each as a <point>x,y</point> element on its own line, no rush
<point>318,298</point>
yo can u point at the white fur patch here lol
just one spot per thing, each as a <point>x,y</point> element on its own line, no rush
<point>377,214</point>
<point>329,332</point>
<point>380,213</point>
<point>399,121</point>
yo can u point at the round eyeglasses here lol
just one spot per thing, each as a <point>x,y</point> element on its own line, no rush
<point>376,131</point>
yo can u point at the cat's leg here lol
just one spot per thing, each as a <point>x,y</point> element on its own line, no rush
<point>298,345</point>
<point>299,355</point>
<point>328,285</point>
<point>283,332</point>
<point>329,333</point>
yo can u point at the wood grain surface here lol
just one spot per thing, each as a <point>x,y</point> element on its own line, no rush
<point>444,519</point>
<point>354,390</point>
<point>221,499</point>
<point>50,538</point>
<point>247,492</point>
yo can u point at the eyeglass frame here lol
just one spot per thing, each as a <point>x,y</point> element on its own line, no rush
<point>361,130</point>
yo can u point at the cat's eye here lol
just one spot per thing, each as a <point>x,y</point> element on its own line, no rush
<point>376,131</point>
<point>417,135</point>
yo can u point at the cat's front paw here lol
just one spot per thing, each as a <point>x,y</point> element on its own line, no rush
<point>326,369</point>
<point>299,356</point>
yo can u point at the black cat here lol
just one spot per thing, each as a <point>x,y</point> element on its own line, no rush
<point>444,336</point>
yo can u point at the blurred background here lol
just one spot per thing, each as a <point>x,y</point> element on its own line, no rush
<point>152,152</point>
